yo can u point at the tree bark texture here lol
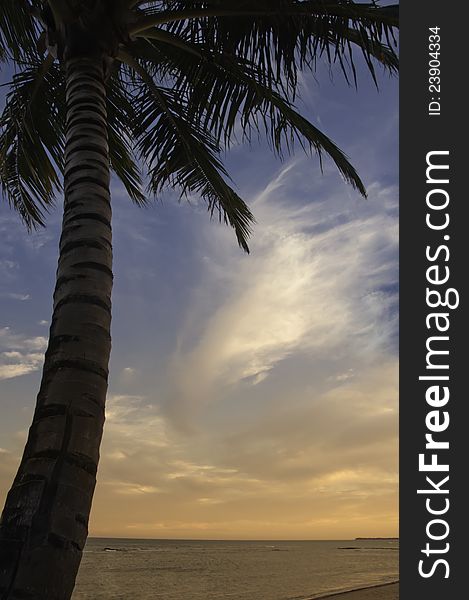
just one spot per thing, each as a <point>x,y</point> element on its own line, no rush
<point>45,521</point>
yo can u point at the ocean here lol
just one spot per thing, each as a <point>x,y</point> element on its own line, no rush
<point>125,569</point>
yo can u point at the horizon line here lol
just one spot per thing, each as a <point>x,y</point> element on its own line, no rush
<point>184,539</point>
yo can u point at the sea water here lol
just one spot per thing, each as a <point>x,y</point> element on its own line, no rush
<point>125,569</point>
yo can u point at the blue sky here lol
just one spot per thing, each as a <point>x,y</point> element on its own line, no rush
<point>250,396</point>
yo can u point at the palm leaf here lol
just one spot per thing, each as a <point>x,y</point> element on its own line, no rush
<point>180,153</point>
<point>31,140</point>
<point>18,31</point>
<point>222,91</point>
<point>281,36</point>
<point>122,122</point>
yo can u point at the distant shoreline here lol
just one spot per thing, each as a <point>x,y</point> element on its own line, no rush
<point>390,539</point>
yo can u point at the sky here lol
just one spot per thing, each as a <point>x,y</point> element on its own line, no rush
<point>250,397</point>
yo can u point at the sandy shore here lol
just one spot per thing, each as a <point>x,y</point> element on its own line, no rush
<point>387,591</point>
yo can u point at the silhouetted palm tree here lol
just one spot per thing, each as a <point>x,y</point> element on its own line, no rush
<point>125,85</point>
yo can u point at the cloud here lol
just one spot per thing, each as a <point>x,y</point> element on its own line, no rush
<point>13,296</point>
<point>128,376</point>
<point>315,438</point>
<point>321,281</point>
<point>20,355</point>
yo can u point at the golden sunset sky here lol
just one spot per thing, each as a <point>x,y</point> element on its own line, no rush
<point>251,397</point>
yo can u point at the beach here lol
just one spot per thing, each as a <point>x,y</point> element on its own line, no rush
<point>387,591</point>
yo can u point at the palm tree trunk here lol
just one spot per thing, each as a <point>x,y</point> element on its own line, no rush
<point>45,521</point>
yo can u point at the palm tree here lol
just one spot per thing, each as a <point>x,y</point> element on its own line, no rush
<point>127,85</point>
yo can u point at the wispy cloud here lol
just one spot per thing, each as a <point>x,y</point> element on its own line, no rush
<point>13,296</point>
<point>321,280</point>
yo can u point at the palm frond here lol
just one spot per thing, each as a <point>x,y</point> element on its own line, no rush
<point>180,153</point>
<point>223,91</point>
<point>18,31</point>
<point>32,141</point>
<point>281,36</point>
<point>122,122</point>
